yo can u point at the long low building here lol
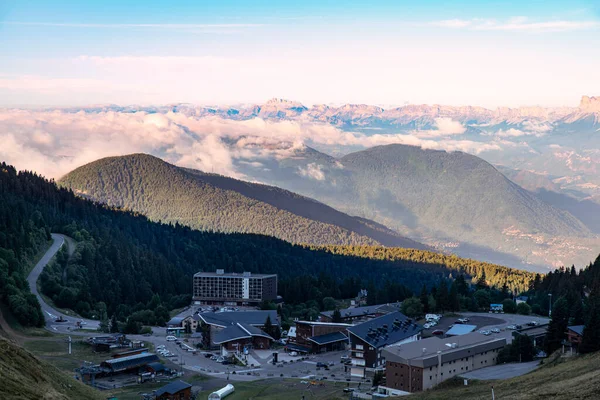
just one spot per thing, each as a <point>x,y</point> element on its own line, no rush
<point>130,363</point>
<point>417,366</point>
<point>317,337</point>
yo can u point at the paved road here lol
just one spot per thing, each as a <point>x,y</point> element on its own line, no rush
<point>49,312</point>
<point>502,371</point>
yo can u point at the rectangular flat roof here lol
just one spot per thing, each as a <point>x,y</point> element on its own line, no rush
<point>365,310</point>
<point>460,329</point>
<point>425,352</point>
<point>233,275</point>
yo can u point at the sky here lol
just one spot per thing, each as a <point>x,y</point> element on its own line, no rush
<point>389,53</point>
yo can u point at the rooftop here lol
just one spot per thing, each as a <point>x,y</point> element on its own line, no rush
<point>425,352</point>
<point>255,318</point>
<point>318,323</point>
<point>328,338</point>
<point>238,331</point>
<point>172,388</point>
<point>460,329</point>
<point>222,274</point>
<point>354,312</point>
<point>578,329</point>
<point>124,363</point>
<point>385,330</point>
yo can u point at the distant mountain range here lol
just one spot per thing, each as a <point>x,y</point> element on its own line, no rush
<point>164,192</point>
<point>363,115</point>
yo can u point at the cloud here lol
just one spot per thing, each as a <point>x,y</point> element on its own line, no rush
<point>444,127</point>
<point>512,132</point>
<point>313,171</point>
<point>517,24</point>
<point>54,142</point>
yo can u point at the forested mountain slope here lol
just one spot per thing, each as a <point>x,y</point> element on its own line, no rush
<point>452,200</point>
<point>124,263</point>
<point>167,193</point>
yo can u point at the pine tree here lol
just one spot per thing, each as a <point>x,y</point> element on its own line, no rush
<point>424,299</point>
<point>591,332</point>
<point>454,299</point>
<point>441,300</point>
<point>558,325</point>
<point>336,316</point>
<point>114,325</point>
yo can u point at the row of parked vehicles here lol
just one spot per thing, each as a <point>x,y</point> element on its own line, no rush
<point>163,351</point>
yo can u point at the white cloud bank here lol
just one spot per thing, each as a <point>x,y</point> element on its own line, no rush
<point>55,142</point>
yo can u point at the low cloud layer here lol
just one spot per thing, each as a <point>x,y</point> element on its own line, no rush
<point>55,142</point>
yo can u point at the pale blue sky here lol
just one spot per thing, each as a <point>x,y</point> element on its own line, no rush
<point>379,52</point>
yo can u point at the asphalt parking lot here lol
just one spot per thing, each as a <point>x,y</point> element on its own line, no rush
<point>292,367</point>
<point>487,322</point>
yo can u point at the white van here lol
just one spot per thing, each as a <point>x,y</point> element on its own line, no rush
<point>171,338</point>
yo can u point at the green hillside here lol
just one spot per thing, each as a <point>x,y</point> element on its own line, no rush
<point>25,376</point>
<point>167,193</point>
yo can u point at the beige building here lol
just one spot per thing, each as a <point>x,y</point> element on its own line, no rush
<point>417,366</point>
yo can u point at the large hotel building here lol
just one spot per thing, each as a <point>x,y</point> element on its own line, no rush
<point>234,289</point>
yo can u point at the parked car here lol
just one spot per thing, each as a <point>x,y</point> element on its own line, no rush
<point>437,332</point>
<point>321,365</point>
<point>344,358</point>
<point>495,330</point>
<point>208,355</point>
<point>518,326</point>
<point>293,354</point>
<point>511,327</point>
<point>427,325</point>
<point>171,338</point>
<point>532,323</point>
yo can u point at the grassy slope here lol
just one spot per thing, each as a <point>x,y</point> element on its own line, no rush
<point>568,379</point>
<point>24,376</point>
<point>276,389</point>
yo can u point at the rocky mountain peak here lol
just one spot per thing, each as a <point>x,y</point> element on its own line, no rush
<point>590,103</point>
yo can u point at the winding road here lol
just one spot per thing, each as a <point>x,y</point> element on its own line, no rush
<point>51,314</point>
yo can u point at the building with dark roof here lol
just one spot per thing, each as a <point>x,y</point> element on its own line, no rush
<point>317,337</point>
<point>155,367</point>
<point>575,335</point>
<point>176,390</point>
<point>130,363</point>
<point>240,336</point>
<point>536,333</point>
<point>417,366</point>
<point>233,289</point>
<point>367,340</point>
<point>255,318</point>
<point>175,322</point>
<point>354,314</point>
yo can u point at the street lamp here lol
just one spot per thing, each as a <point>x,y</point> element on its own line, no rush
<point>550,308</point>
